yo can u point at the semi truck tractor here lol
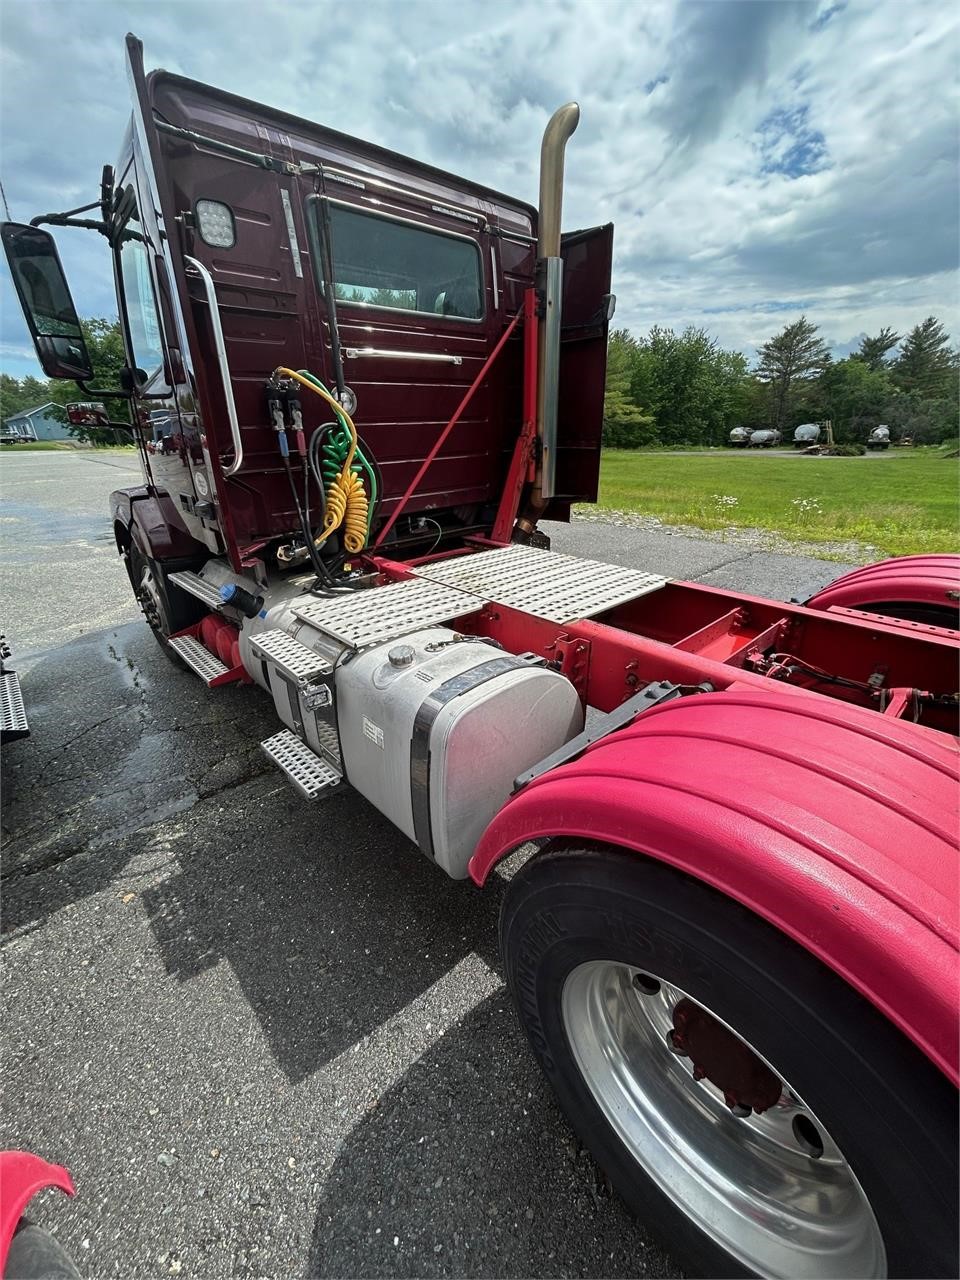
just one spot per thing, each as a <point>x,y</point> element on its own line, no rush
<point>358,385</point>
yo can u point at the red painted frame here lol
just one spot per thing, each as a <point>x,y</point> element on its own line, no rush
<point>522,464</point>
<point>689,633</point>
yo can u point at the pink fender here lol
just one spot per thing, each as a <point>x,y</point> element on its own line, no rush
<point>933,580</point>
<point>22,1175</point>
<point>835,824</point>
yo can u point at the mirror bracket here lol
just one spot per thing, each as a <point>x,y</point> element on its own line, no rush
<point>102,395</point>
<point>64,220</point>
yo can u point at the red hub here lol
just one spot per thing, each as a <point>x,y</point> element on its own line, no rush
<point>747,1083</point>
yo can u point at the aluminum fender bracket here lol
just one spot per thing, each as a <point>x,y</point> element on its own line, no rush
<point>836,825</point>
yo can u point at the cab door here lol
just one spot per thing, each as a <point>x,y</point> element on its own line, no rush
<point>587,310</point>
<point>417,316</point>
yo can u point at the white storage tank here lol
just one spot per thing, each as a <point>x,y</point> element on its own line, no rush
<point>435,727</point>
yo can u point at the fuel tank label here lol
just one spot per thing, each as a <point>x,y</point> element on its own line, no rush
<point>373,732</point>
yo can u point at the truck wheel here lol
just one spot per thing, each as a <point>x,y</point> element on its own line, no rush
<point>922,589</point>
<point>166,608</point>
<point>753,1110</point>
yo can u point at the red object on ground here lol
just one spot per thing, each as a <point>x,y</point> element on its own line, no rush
<point>931,580</point>
<point>836,825</point>
<point>22,1175</point>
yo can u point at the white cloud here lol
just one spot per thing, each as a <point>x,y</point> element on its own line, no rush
<point>759,159</point>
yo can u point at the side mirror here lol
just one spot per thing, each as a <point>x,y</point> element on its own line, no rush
<point>46,302</point>
<point>88,413</point>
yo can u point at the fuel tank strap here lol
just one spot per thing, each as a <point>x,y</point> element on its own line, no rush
<point>423,723</point>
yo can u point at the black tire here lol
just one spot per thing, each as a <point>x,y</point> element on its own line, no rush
<point>35,1255</point>
<point>892,1114</point>
<point>167,609</point>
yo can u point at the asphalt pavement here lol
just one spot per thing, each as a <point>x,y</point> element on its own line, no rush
<point>267,1037</point>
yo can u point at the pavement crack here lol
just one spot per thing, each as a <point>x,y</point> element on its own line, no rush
<point>722,565</point>
<point>118,711</point>
<point>232,784</point>
<point>54,859</point>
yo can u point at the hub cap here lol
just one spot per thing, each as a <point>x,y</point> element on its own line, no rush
<point>772,1189</point>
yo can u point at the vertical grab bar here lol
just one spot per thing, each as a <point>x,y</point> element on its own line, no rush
<point>220,345</point>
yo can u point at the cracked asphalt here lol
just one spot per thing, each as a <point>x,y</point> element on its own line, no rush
<point>267,1037</point>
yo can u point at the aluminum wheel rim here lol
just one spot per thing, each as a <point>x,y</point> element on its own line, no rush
<point>149,597</point>
<point>746,1183</point>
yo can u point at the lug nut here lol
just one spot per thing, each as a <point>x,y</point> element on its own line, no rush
<point>645,984</point>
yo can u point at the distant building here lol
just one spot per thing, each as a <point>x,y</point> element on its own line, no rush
<point>41,423</point>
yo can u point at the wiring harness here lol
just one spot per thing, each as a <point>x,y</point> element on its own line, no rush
<point>338,464</point>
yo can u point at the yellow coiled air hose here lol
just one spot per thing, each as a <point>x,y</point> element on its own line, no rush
<point>347,501</point>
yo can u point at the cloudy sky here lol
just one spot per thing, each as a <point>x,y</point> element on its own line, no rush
<point>759,159</point>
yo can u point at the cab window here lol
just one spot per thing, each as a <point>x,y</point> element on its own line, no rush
<point>139,301</point>
<point>381,262</point>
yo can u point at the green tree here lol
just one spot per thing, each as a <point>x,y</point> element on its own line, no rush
<point>12,397</point>
<point>926,364</point>
<point>105,345</point>
<point>873,351</point>
<point>921,419</point>
<point>853,397</point>
<point>791,358</point>
<point>625,424</point>
<point>695,390</point>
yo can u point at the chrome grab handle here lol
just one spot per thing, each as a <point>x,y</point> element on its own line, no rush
<point>220,345</point>
<point>438,357</point>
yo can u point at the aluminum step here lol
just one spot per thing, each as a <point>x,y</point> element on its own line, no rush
<point>370,616</point>
<point>192,583</point>
<point>13,717</point>
<point>293,658</point>
<point>199,659</point>
<point>547,584</point>
<point>304,769</point>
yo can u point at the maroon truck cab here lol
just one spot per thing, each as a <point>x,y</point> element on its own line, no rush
<point>429,270</point>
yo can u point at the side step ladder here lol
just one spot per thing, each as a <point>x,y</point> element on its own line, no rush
<point>13,717</point>
<point>196,586</point>
<point>199,659</point>
<point>304,769</point>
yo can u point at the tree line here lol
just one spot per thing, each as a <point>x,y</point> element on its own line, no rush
<point>683,389</point>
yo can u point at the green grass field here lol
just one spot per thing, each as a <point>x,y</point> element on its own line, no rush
<point>34,446</point>
<point>60,446</point>
<point>900,503</point>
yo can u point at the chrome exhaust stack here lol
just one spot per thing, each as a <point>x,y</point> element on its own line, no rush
<point>550,280</point>
<point>560,127</point>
